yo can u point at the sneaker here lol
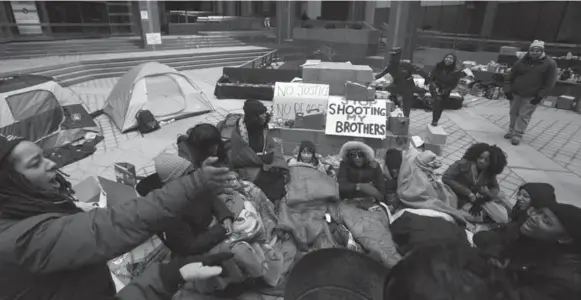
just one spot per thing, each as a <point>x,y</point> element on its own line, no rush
<point>515,141</point>
<point>508,136</point>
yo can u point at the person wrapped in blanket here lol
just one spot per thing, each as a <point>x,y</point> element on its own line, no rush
<point>360,176</point>
<point>254,154</point>
<point>473,179</point>
<point>307,154</point>
<point>393,159</point>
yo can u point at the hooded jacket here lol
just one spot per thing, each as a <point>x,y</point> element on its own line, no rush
<point>61,257</point>
<point>349,176</point>
<point>541,194</point>
<point>531,77</point>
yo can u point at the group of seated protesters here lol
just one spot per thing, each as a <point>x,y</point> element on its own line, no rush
<point>54,248</point>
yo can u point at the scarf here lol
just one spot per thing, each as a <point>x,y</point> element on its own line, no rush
<point>244,133</point>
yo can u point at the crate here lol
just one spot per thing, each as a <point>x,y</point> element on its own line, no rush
<point>436,135</point>
<point>565,102</point>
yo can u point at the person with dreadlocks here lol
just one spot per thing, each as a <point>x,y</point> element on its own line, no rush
<point>403,83</point>
<point>51,249</point>
<point>473,179</point>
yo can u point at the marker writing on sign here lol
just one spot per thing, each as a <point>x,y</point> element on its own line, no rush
<point>302,91</point>
<point>360,128</point>
<point>347,109</point>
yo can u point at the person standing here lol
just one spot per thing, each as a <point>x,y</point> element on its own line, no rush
<point>403,84</point>
<point>444,78</point>
<point>528,82</point>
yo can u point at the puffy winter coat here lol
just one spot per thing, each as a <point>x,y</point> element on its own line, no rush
<point>62,257</point>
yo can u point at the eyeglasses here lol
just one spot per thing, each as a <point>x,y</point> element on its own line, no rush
<point>356,154</point>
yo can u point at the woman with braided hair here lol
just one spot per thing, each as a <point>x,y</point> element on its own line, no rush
<point>51,249</point>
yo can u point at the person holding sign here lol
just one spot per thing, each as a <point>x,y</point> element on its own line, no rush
<point>360,177</point>
<point>403,83</point>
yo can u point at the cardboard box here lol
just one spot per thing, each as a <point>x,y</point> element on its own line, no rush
<point>550,101</point>
<point>104,191</point>
<point>436,135</point>
<point>336,74</point>
<point>399,125</point>
<point>437,149</point>
<point>400,142</point>
<point>565,102</point>
<point>312,121</point>
<point>356,91</point>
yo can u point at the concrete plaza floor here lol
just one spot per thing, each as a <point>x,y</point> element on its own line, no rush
<point>550,151</point>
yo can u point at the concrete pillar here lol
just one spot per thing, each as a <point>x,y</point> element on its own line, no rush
<point>219,7</point>
<point>314,9</point>
<point>150,25</point>
<point>489,17</point>
<point>229,8</point>
<point>285,16</point>
<point>402,27</point>
<point>356,11</point>
<point>247,9</point>
<point>370,12</point>
<point>5,31</point>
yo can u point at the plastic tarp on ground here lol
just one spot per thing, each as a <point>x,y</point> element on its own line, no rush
<point>152,86</point>
<point>39,109</point>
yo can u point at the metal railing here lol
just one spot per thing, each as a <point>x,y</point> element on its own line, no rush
<point>263,62</point>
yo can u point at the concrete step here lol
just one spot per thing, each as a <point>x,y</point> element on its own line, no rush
<point>86,70</point>
<point>204,65</point>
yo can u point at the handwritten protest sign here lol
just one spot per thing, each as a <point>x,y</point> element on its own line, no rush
<point>291,98</point>
<point>357,118</point>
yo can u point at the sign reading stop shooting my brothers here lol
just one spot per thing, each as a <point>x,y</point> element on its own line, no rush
<point>291,98</point>
<point>357,118</point>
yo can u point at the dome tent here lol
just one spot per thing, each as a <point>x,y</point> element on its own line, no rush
<point>39,109</point>
<point>152,86</point>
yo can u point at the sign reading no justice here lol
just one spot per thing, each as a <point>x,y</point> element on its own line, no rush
<point>291,98</point>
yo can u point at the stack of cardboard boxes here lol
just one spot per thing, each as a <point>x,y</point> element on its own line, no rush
<point>436,139</point>
<point>337,74</point>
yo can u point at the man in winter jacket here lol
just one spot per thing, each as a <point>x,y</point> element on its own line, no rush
<point>528,82</point>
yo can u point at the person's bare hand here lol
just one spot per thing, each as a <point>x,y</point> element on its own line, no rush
<point>218,179</point>
<point>227,224</point>
<point>472,197</point>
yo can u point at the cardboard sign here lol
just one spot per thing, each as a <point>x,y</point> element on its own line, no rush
<point>153,38</point>
<point>291,98</point>
<point>357,118</point>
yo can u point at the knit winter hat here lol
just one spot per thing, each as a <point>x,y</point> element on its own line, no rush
<point>170,167</point>
<point>336,274</point>
<point>537,44</point>
<point>570,218</point>
<point>253,107</point>
<point>393,159</point>
<point>7,144</point>
<point>542,194</point>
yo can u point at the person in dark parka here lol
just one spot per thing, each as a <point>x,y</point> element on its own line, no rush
<point>444,78</point>
<point>50,249</point>
<point>541,258</point>
<point>403,83</point>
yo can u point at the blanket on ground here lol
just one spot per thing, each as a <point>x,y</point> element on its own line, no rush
<point>416,190</point>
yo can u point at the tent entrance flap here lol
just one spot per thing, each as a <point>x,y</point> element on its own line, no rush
<point>164,96</point>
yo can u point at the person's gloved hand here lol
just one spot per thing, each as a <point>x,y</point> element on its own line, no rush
<point>536,100</point>
<point>217,180</point>
<point>475,210</point>
<point>508,96</point>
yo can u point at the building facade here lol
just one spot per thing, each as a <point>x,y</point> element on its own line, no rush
<point>556,21</point>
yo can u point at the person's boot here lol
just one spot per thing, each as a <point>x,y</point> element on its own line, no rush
<point>508,135</point>
<point>434,123</point>
<point>515,140</point>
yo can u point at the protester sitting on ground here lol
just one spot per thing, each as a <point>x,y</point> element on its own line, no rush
<point>531,194</point>
<point>308,155</point>
<point>204,223</point>
<point>541,258</point>
<point>254,154</point>
<point>360,177</point>
<point>393,160</point>
<point>53,250</point>
<point>473,179</point>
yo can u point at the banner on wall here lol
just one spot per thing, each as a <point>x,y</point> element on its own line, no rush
<point>291,98</point>
<point>365,119</point>
<point>26,17</point>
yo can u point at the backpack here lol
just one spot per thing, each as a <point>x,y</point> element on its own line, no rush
<point>146,122</point>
